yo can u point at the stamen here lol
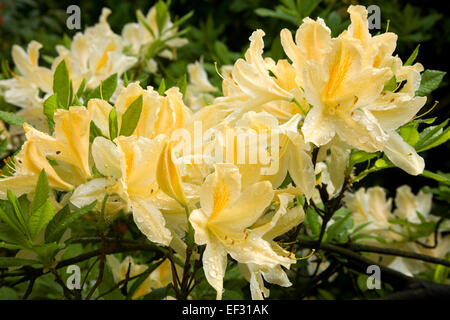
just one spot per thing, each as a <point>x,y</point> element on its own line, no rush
<point>426,112</point>
<point>217,70</point>
<point>308,256</point>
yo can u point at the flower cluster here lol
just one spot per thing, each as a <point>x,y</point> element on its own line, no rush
<point>217,177</point>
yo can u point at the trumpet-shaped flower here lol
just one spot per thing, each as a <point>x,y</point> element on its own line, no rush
<point>222,223</point>
<point>95,54</point>
<point>270,227</point>
<point>24,90</point>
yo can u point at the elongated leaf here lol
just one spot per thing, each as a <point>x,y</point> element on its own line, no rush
<point>432,136</point>
<point>339,226</point>
<point>61,85</point>
<point>113,124</point>
<point>131,117</point>
<point>312,222</point>
<point>358,156</point>
<point>162,87</point>
<point>62,220</point>
<point>11,235</point>
<point>11,118</point>
<point>431,79</point>
<point>10,219</point>
<point>435,176</point>
<point>50,106</point>
<point>20,215</point>
<point>40,218</point>
<point>106,88</point>
<point>41,191</point>
<point>6,262</point>
<point>413,56</point>
<point>182,84</point>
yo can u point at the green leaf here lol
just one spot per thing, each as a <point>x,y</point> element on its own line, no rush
<point>40,218</point>
<point>441,274</point>
<point>41,191</point>
<point>11,235</point>
<point>81,88</point>
<point>432,136</point>
<point>181,20</point>
<point>46,252</point>
<point>6,262</point>
<point>50,106</point>
<point>141,18</point>
<point>358,156</point>
<point>340,226</point>
<point>11,118</point>
<point>390,85</point>
<point>20,215</point>
<point>113,124</point>
<point>435,176</point>
<point>106,88</point>
<point>94,132</point>
<point>410,134</point>
<point>412,57</point>
<point>182,83</point>
<point>10,219</point>
<point>131,117</point>
<point>62,220</point>
<point>162,87</point>
<point>162,14</point>
<point>431,80</point>
<point>312,222</point>
<point>61,85</point>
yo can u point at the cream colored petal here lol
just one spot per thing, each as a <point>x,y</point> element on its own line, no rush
<point>301,170</point>
<point>220,189</point>
<point>99,111</point>
<point>361,130</point>
<point>150,221</point>
<point>276,275</point>
<point>340,155</point>
<point>214,265</point>
<point>258,251</point>
<point>245,211</point>
<point>397,111</point>
<point>89,192</point>
<point>318,128</point>
<point>138,160</point>
<point>106,157</point>
<point>313,38</point>
<point>403,155</point>
<point>72,134</point>
<point>199,220</point>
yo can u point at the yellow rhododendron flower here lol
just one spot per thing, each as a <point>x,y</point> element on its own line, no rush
<point>222,223</point>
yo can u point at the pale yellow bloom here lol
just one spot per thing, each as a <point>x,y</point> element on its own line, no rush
<point>69,144</point>
<point>23,89</point>
<point>199,89</point>
<point>222,223</point>
<point>138,39</point>
<point>95,54</point>
<point>407,204</point>
<point>270,227</point>
<point>168,175</point>
<point>372,206</point>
